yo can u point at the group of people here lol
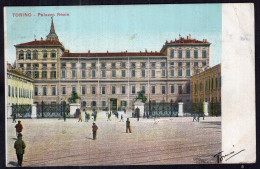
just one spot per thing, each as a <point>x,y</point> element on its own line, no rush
<point>19,144</point>
<point>87,115</point>
<point>196,117</point>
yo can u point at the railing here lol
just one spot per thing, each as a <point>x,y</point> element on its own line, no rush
<point>22,111</point>
<point>52,110</point>
<point>160,110</point>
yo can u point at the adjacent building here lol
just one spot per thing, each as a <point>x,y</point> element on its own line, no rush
<point>20,87</point>
<point>112,79</point>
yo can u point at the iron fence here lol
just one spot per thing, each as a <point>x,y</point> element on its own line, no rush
<point>160,110</point>
<point>52,110</point>
<point>22,111</point>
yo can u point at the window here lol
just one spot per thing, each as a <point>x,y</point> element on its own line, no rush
<point>74,89</point>
<point>204,54</point>
<point>63,65</point>
<point>143,73</point>
<point>83,90</point>
<point>180,72</point>
<point>16,91</point>
<point>172,63</point>
<point>133,65</point>
<point>188,72</point>
<point>113,90</point>
<point>83,74</point>
<point>143,64</point>
<point>29,73</point>
<point>35,54</point>
<point>113,73</point>
<point>104,103</point>
<point>187,53</point>
<point>44,53</point>
<point>103,65</point>
<point>94,103</point>
<point>133,73</point>
<point>196,54</point>
<point>103,90</point>
<point>53,91</point>
<point>123,89</point>
<point>53,54</point>
<point>73,73</point>
<point>196,64</point>
<point>44,65</point>
<point>35,65</point>
<point>28,54</point>
<point>93,73</point>
<point>153,64</point>
<point>180,89</point>
<point>44,74</point>
<point>21,55</point>
<point>53,74</point>
<point>63,74</point>
<point>83,65</point>
<point>123,64</point>
<point>163,90</point>
<point>123,73</point>
<point>188,89</point>
<point>204,63</point>
<point>153,73</point>
<point>113,65</point>
<point>179,64</point>
<point>9,90</point>
<point>172,53</point>
<point>21,65</point>
<point>153,89</point>
<point>163,73</point>
<point>93,65</point>
<point>163,64</point>
<point>53,65</point>
<point>123,103</point>
<point>36,74</point>
<point>188,64</point>
<point>93,90</point>
<point>133,89</point>
<point>29,65</point>
<point>172,88</point>
<point>143,89</point>
<point>84,103</point>
<point>44,91</point>
<point>64,90</point>
<point>180,54</point>
<point>172,73</point>
<point>73,65</point>
<point>103,73</point>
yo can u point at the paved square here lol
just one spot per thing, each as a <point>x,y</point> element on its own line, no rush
<point>53,142</point>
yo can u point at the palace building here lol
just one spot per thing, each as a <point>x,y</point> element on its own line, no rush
<point>112,79</point>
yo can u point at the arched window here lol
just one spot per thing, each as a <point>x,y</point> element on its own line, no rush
<point>84,103</point>
<point>28,54</point>
<point>21,55</point>
<point>94,103</point>
<point>35,54</point>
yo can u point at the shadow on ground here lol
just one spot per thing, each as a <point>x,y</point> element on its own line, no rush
<point>13,163</point>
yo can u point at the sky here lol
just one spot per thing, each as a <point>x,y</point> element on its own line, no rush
<point>116,28</point>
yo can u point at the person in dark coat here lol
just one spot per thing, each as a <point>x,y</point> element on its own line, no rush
<point>19,128</point>
<point>137,112</point>
<point>122,118</point>
<point>19,146</point>
<point>14,118</point>
<point>94,129</point>
<point>128,126</point>
<point>94,114</point>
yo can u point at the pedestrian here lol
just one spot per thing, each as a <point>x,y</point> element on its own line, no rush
<point>137,112</point>
<point>128,126</point>
<point>19,128</point>
<point>80,116</point>
<point>19,146</point>
<point>14,118</point>
<point>109,116</point>
<point>94,129</point>
<point>198,118</point>
<point>94,114</point>
<point>85,113</point>
<point>194,117</point>
<point>65,115</point>
<point>122,118</point>
<point>124,110</point>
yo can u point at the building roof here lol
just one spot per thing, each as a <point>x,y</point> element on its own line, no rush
<point>41,43</point>
<point>11,69</point>
<point>108,54</point>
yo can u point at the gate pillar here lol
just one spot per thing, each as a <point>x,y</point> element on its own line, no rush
<point>73,107</point>
<point>140,105</point>
<point>34,114</point>
<point>205,109</point>
<point>9,111</point>
<point>180,113</point>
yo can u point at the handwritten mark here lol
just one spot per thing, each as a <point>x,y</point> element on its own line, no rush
<point>229,155</point>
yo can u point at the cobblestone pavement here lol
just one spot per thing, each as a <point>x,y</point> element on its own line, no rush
<point>53,142</point>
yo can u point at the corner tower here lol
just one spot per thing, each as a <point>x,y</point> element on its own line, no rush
<point>52,35</point>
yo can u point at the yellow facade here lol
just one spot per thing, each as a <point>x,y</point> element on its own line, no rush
<point>20,87</point>
<point>206,86</point>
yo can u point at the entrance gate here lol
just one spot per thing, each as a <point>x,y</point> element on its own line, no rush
<point>52,110</point>
<point>113,105</point>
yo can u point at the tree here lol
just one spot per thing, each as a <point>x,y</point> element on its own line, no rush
<point>141,96</point>
<point>73,97</point>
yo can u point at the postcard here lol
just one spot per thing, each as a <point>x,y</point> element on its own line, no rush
<point>130,85</point>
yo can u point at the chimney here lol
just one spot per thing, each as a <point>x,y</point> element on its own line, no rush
<point>189,37</point>
<point>41,39</point>
<point>35,39</point>
<point>88,51</point>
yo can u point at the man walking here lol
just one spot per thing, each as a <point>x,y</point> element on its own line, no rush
<point>80,115</point>
<point>128,126</point>
<point>14,118</point>
<point>19,128</point>
<point>19,146</point>
<point>122,118</point>
<point>137,112</point>
<point>94,129</point>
